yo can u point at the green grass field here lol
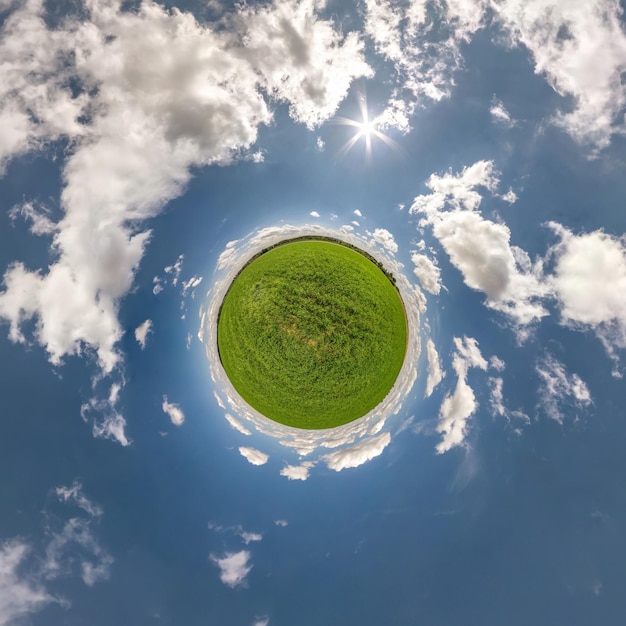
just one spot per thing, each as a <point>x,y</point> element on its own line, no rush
<point>312,334</point>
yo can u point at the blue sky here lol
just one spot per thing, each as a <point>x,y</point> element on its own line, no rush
<point>147,150</point>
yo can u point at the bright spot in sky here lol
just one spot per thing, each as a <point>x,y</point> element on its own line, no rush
<point>366,129</point>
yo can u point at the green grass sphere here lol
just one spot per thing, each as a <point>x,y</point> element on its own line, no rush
<point>312,334</point>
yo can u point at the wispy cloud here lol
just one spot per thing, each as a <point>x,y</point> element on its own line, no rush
<point>72,549</point>
<point>559,388</point>
<point>20,594</point>
<point>457,408</point>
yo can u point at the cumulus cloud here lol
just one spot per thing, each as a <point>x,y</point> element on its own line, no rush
<point>383,237</point>
<point>590,283</point>
<point>480,248</point>
<point>149,123</point>
<point>559,388</point>
<point>300,58</point>
<point>142,331</point>
<point>358,454</point>
<point>144,96</point>
<point>261,622</point>
<point>174,411</point>
<point>36,105</point>
<point>234,567</point>
<point>427,272</point>
<point>314,214</point>
<point>297,472</point>
<point>580,47</point>
<point>458,407</point>
<point>256,457</point>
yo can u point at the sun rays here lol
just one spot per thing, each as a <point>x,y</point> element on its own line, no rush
<point>366,129</point>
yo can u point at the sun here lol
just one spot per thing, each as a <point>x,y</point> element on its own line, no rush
<point>366,129</point>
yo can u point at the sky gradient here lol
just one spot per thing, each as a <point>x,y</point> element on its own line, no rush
<point>475,147</point>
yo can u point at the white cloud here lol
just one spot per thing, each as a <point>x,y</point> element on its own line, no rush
<point>75,494</point>
<point>258,156</point>
<point>38,215</point>
<point>358,213</point>
<point>496,397</point>
<point>261,622</point>
<point>26,571</point>
<point>191,284</point>
<point>247,537</point>
<point>142,331</point>
<point>108,422</point>
<point>479,248</point>
<point>234,567</point>
<point>174,411</point>
<point>435,373</point>
<point>427,272</point>
<point>580,47</point>
<point>281,522</point>
<point>457,408</point>
<point>36,104</point>
<point>497,363</point>
<point>499,113</point>
<point>20,595</point>
<point>175,269</point>
<point>510,196</point>
<point>314,214</point>
<point>383,237</point>
<point>498,408</point>
<point>236,424</point>
<point>590,283</point>
<point>297,472</point>
<point>149,123</point>
<point>560,389</point>
<point>255,457</point>
<point>319,144</point>
<point>300,58</point>
<point>358,454</point>
<point>76,542</point>
<point>424,58</point>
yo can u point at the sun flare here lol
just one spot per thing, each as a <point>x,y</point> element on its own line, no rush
<point>366,129</point>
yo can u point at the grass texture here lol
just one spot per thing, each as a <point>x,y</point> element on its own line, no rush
<point>312,334</point>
